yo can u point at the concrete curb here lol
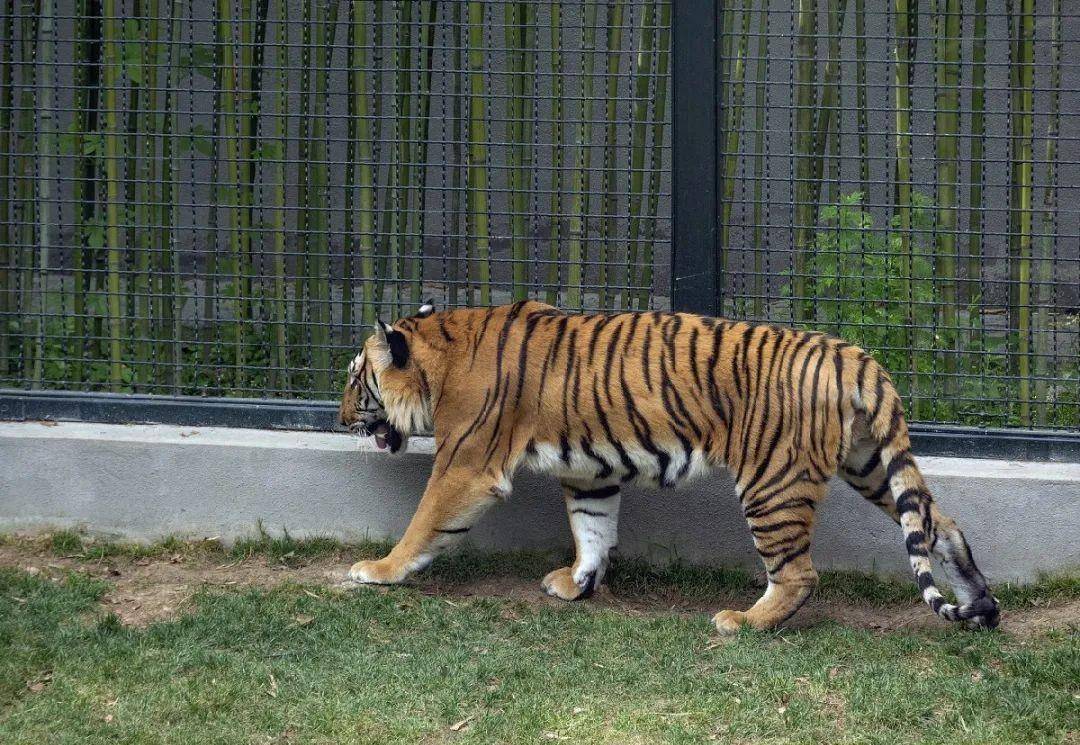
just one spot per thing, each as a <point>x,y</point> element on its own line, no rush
<point>142,482</point>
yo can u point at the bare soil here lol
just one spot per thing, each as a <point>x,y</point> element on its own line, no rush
<point>146,590</point>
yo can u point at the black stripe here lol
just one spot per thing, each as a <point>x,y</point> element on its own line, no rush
<point>643,430</point>
<point>838,362</point>
<point>602,492</point>
<point>451,531</point>
<point>787,504</point>
<point>693,356</point>
<point>605,467</point>
<point>590,513</point>
<point>564,448</point>
<point>645,361</point>
<point>636,317</point>
<point>442,328</point>
<point>603,321</point>
<point>772,527</point>
<point>612,344</point>
<point>914,542</point>
<point>523,354</point>
<point>790,557</point>
<point>624,458</point>
<point>714,390</point>
<point>899,462</point>
<point>868,467</point>
<point>878,495</point>
<point>908,501</point>
<point>676,323</point>
<point>480,336</point>
<point>864,363</point>
<point>925,580</point>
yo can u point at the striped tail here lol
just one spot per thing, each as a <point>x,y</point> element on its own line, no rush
<point>924,527</point>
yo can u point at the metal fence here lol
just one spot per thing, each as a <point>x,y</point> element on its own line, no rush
<point>906,175</point>
<point>215,198</point>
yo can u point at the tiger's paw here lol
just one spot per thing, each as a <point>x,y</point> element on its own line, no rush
<point>379,572</point>
<point>728,622</point>
<point>560,584</point>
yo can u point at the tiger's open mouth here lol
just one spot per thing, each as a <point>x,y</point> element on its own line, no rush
<point>386,436</point>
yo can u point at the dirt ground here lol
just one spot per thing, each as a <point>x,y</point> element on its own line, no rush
<point>145,590</point>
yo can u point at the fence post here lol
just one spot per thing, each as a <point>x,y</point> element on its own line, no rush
<point>695,281</point>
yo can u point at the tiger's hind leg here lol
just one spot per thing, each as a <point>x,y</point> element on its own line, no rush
<point>594,521</point>
<point>782,524</point>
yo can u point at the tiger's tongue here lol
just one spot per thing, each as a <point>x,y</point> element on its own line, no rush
<point>381,433</point>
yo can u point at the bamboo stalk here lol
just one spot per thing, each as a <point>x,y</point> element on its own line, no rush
<point>830,100</point>
<point>231,145</point>
<point>529,91</point>
<point>396,216</point>
<point>428,14</point>
<point>26,184</point>
<point>325,29</point>
<point>515,112</point>
<point>861,98</point>
<point>638,135</point>
<point>902,90</point>
<point>736,82</point>
<point>478,177</point>
<point>609,182</point>
<point>352,81</point>
<point>976,137</point>
<point>656,158</point>
<point>577,246</point>
<point>279,306</point>
<point>1023,130</point>
<point>45,57</point>
<point>7,87</point>
<point>172,289</point>
<point>557,95</point>
<point>457,156</point>
<point>1043,330</point>
<point>805,99</point>
<point>144,283</point>
<point>760,75</point>
<point>365,214</point>
<point>112,192</point>
<point>946,135</point>
<point>253,41</point>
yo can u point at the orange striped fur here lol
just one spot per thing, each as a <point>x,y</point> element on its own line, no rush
<point>655,398</point>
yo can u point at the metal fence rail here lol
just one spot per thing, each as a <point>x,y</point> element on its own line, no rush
<point>216,198</point>
<point>906,175</point>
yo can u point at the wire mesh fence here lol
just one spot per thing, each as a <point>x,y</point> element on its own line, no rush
<point>905,175</point>
<point>216,198</point>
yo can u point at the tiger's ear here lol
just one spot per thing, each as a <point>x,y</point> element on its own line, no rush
<point>395,340</point>
<point>426,309</point>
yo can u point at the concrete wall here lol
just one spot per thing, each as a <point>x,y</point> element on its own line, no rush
<point>144,482</point>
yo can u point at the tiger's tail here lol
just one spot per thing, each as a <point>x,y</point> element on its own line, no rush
<point>925,528</point>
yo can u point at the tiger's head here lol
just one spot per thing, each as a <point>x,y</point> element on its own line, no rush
<point>386,393</point>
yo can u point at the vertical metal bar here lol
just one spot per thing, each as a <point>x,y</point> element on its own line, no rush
<point>695,282</point>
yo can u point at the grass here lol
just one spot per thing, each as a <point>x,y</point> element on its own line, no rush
<point>296,665</point>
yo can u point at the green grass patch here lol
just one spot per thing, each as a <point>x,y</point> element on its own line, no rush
<point>308,665</point>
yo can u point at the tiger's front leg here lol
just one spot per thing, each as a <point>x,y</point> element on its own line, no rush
<point>594,521</point>
<point>451,505</point>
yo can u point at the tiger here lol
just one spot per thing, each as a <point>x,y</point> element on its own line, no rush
<point>654,398</point>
